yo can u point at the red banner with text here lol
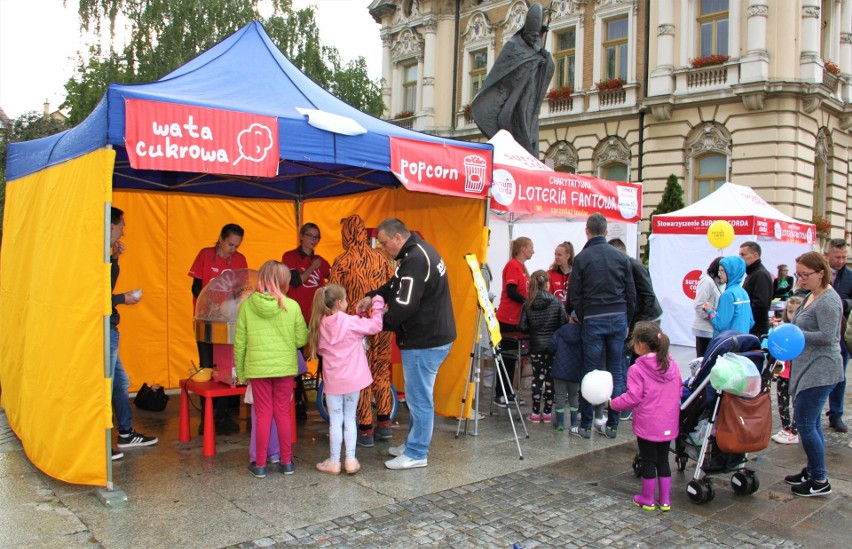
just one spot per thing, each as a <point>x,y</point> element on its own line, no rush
<point>558,194</point>
<point>183,138</point>
<point>441,169</point>
<point>784,231</point>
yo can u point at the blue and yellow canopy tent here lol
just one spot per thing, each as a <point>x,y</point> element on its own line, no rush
<point>54,267</point>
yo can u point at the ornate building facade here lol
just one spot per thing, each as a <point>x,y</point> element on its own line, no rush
<point>751,91</point>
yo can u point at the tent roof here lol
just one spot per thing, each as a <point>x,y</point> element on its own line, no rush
<point>246,73</point>
<point>730,200</point>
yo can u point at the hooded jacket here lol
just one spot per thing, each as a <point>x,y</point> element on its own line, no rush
<point>547,315</point>
<point>734,310</point>
<point>267,338</point>
<point>654,397</point>
<point>567,348</point>
<point>418,297</point>
<point>341,345</point>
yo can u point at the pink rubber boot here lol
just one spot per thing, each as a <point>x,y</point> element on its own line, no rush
<point>665,486</point>
<point>645,500</point>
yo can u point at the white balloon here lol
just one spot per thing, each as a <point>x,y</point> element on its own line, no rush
<point>596,387</point>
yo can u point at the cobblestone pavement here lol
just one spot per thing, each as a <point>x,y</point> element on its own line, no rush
<point>530,508</point>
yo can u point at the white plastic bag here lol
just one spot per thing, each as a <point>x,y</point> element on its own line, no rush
<point>735,374</point>
<point>249,397</point>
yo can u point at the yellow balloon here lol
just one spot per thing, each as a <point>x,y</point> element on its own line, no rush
<point>720,234</point>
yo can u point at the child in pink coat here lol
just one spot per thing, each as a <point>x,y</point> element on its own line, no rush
<point>340,339</point>
<point>653,393</point>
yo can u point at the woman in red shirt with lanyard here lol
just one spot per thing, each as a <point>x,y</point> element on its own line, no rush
<point>560,271</point>
<point>208,264</point>
<point>516,281</point>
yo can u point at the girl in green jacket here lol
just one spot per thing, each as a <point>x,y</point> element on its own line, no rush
<point>270,330</point>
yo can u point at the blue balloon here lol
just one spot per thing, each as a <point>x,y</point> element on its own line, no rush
<point>786,342</point>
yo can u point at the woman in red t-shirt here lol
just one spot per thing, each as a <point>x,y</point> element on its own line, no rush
<point>560,271</point>
<point>516,281</point>
<point>208,264</point>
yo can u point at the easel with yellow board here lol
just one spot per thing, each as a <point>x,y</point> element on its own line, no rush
<point>470,400</point>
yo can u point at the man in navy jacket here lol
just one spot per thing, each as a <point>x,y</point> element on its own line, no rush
<point>841,281</point>
<point>602,296</point>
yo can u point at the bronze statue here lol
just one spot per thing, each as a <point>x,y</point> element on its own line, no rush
<point>511,97</point>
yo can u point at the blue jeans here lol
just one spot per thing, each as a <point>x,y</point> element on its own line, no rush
<point>838,393</point>
<point>420,368</point>
<point>603,345</point>
<point>808,413</point>
<point>120,386</point>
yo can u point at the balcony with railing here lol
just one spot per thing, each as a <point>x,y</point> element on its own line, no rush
<point>704,78</point>
<point>403,120</point>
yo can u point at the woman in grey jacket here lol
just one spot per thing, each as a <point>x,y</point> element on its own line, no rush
<point>815,372</point>
<point>708,291</point>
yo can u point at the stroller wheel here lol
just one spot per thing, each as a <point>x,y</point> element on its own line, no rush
<point>681,462</point>
<point>700,491</point>
<point>754,482</point>
<point>740,483</point>
<point>637,466</point>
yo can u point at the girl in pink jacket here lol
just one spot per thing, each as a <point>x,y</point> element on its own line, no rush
<point>340,339</point>
<point>653,393</point>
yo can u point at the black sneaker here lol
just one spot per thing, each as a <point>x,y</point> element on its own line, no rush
<point>501,402</point>
<point>366,440</point>
<point>798,478</point>
<point>117,454</point>
<point>225,425</point>
<point>811,488</point>
<point>259,472</point>
<point>133,438</point>
<point>286,468</point>
<point>605,430</point>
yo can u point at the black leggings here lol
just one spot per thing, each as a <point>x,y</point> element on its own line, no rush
<point>655,458</point>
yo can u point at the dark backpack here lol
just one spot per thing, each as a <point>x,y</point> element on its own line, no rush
<point>152,399</point>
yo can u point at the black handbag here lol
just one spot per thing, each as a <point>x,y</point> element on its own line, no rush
<point>152,399</point>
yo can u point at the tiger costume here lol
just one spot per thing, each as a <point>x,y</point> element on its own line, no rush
<point>359,269</point>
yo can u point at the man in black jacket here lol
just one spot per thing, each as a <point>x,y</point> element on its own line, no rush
<point>841,280</point>
<point>420,312</point>
<point>602,295</point>
<point>758,286</point>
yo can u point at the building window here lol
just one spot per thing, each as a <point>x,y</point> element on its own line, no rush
<point>562,157</point>
<point>713,27</point>
<point>615,49</point>
<point>409,88</point>
<point>564,57</point>
<point>710,175</point>
<point>478,68</point>
<point>615,172</point>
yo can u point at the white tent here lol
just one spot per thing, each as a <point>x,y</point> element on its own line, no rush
<point>549,207</point>
<point>681,252</point>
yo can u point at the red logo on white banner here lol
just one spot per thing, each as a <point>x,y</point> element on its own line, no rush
<point>174,137</point>
<point>690,283</point>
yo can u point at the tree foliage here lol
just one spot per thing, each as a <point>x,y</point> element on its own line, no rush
<point>26,127</point>
<point>672,199</point>
<point>162,35</point>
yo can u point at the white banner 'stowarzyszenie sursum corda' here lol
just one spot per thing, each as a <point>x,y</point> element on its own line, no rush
<point>681,252</point>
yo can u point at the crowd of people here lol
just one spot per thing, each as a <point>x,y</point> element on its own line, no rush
<point>593,310</point>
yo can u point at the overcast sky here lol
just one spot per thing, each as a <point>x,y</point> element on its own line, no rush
<point>39,40</point>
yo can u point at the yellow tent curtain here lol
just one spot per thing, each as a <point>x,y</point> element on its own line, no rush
<point>54,294</point>
<point>53,256</point>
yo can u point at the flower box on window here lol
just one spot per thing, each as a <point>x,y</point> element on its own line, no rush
<point>560,93</point>
<point>823,225</point>
<point>610,84</point>
<point>709,60</point>
<point>403,114</point>
<point>831,67</point>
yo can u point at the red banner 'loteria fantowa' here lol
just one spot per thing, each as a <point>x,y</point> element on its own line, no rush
<point>440,169</point>
<point>175,137</point>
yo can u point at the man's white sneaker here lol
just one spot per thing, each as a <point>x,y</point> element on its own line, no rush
<point>405,462</point>
<point>397,450</point>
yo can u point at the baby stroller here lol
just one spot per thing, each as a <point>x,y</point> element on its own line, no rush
<point>698,414</point>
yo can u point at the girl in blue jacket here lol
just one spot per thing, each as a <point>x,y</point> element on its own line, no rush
<point>734,309</point>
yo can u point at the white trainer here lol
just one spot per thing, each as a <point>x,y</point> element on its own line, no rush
<point>397,450</point>
<point>405,462</point>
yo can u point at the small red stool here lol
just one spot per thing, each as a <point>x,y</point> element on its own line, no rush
<point>211,389</point>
